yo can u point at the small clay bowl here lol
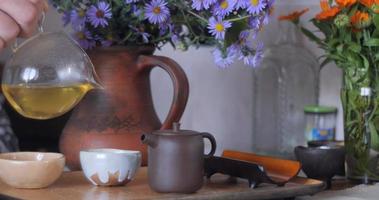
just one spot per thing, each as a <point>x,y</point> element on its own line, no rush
<point>322,162</point>
<point>31,169</point>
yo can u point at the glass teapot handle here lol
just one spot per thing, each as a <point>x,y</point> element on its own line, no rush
<point>40,30</point>
<point>181,86</point>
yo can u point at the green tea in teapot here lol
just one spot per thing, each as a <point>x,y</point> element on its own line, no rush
<point>44,102</point>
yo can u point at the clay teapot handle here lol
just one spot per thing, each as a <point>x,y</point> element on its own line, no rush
<point>181,86</point>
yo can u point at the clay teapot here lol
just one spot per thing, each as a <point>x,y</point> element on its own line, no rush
<point>176,159</point>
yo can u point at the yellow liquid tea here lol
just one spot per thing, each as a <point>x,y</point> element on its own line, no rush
<point>44,102</point>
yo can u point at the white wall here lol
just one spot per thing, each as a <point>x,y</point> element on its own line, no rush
<point>221,100</point>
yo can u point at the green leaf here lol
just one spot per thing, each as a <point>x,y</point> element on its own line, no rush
<point>372,42</point>
<point>232,34</point>
<point>374,136</point>
<point>354,47</point>
<point>375,20</point>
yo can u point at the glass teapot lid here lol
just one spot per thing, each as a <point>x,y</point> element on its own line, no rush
<point>47,76</point>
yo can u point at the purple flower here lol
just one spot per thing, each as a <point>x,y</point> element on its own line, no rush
<point>253,60</point>
<point>66,18</point>
<point>224,7</point>
<point>84,39</point>
<point>141,33</point>
<point>131,1</point>
<point>78,19</point>
<point>136,11</point>
<point>224,59</point>
<point>157,12</point>
<point>98,15</point>
<point>254,23</point>
<point>255,6</point>
<point>165,27</point>
<point>240,4</point>
<point>217,27</point>
<point>202,4</point>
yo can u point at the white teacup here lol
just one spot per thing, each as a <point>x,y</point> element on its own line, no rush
<point>110,167</point>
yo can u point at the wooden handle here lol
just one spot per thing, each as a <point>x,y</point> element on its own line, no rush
<point>181,86</point>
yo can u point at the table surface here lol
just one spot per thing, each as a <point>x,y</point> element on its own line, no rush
<point>73,185</point>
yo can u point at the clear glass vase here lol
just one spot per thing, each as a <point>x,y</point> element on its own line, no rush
<point>286,81</point>
<point>361,125</point>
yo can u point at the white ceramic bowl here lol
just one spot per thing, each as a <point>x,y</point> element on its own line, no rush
<point>31,169</point>
<point>110,167</point>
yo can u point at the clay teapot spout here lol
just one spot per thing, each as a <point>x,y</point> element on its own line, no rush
<point>149,139</point>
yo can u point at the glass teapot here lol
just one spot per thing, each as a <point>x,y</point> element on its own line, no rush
<point>47,75</point>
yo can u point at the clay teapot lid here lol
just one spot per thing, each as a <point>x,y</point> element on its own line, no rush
<point>176,131</point>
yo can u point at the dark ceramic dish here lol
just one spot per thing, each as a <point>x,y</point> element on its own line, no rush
<point>322,162</point>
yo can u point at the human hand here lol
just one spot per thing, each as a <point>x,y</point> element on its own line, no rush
<point>19,18</point>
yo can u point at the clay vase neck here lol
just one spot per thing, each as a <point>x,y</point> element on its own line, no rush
<point>116,116</point>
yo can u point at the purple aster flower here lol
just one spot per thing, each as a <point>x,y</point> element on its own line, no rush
<point>141,33</point>
<point>254,23</point>
<point>84,39</point>
<point>66,18</point>
<point>136,11</point>
<point>255,6</point>
<point>98,15</point>
<point>240,4</point>
<point>224,7</point>
<point>131,1</point>
<point>253,60</point>
<point>165,27</point>
<point>175,38</point>
<point>202,4</point>
<point>157,12</point>
<point>217,27</point>
<point>78,19</point>
<point>224,59</point>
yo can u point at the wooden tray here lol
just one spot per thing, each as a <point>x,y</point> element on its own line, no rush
<point>73,185</point>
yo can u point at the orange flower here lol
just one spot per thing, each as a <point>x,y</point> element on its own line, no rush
<point>327,11</point>
<point>370,3</point>
<point>367,3</point>
<point>345,3</point>
<point>294,16</point>
<point>360,19</point>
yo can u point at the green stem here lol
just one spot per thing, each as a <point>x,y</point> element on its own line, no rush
<point>198,16</point>
<point>239,18</point>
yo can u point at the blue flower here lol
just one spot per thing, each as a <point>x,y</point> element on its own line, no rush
<point>157,12</point>
<point>224,59</point>
<point>217,27</point>
<point>98,15</point>
<point>84,39</point>
<point>255,6</point>
<point>78,19</point>
<point>224,7</point>
<point>202,4</point>
<point>253,60</point>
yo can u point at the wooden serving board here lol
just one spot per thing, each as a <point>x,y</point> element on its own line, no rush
<point>73,185</point>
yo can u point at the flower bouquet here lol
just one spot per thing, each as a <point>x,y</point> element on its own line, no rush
<point>349,35</point>
<point>230,25</point>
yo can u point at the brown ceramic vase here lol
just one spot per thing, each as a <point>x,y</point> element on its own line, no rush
<point>117,116</point>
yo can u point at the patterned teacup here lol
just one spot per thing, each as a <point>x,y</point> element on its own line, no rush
<point>110,167</point>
